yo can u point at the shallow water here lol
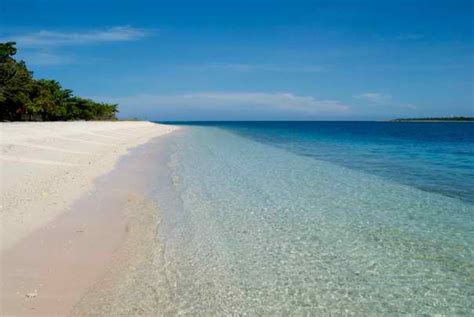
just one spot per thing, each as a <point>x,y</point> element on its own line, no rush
<point>261,227</point>
<point>437,157</point>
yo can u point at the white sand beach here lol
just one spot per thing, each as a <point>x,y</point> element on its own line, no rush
<point>45,168</point>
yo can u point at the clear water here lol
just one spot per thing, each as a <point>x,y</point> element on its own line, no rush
<point>321,218</point>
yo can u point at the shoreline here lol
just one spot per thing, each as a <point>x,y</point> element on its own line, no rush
<point>48,165</point>
<point>190,224</point>
<point>65,242</point>
<point>431,121</point>
<point>138,279</point>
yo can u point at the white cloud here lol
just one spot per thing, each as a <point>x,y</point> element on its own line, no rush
<point>383,99</point>
<point>375,97</point>
<point>226,105</point>
<point>45,38</point>
<point>45,58</point>
<point>253,67</point>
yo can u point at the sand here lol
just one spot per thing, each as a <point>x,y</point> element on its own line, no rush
<point>59,228</point>
<point>45,166</point>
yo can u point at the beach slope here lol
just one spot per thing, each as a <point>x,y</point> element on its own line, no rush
<point>60,226</point>
<point>45,166</point>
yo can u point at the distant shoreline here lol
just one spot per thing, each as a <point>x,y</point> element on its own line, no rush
<point>431,121</point>
<point>434,119</point>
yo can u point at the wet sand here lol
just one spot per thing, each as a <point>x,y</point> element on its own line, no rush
<point>139,280</point>
<point>48,271</point>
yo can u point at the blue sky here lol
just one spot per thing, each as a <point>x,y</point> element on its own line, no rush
<point>253,60</point>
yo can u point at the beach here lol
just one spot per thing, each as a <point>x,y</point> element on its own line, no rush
<point>238,218</point>
<point>59,228</point>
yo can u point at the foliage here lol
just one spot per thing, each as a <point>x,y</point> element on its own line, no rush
<point>24,98</point>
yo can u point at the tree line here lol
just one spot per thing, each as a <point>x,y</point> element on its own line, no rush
<point>23,98</point>
<point>459,118</point>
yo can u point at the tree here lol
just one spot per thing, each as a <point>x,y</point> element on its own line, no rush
<point>24,98</point>
<point>7,50</point>
<point>15,84</point>
<point>49,99</point>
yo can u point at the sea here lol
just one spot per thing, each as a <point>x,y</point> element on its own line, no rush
<point>318,218</point>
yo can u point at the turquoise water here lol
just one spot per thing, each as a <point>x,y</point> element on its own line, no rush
<point>283,219</point>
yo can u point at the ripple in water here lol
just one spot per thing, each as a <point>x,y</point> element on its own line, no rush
<point>256,229</point>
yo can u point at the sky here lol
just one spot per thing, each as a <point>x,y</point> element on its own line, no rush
<point>253,60</point>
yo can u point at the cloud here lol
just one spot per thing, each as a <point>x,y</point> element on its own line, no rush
<point>226,105</point>
<point>45,58</point>
<point>375,97</point>
<point>46,38</point>
<point>253,67</point>
<point>383,99</point>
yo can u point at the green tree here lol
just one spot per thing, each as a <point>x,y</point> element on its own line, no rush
<point>24,98</point>
<point>7,50</point>
<point>15,84</point>
<point>49,100</point>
